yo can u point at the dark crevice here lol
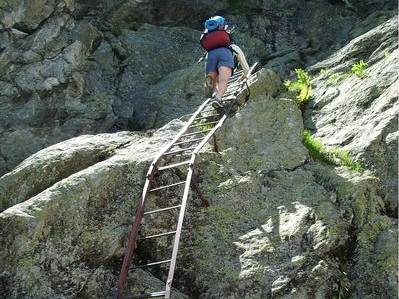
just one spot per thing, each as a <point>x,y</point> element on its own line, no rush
<point>305,162</point>
<point>274,170</point>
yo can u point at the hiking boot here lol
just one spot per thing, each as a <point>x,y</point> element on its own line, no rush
<point>208,87</point>
<point>217,102</point>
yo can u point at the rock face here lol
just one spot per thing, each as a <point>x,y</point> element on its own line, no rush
<point>75,67</point>
<point>51,165</point>
<point>67,78</point>
<point>361,114</point>
<point>63,238</point>
<point>278,224</point>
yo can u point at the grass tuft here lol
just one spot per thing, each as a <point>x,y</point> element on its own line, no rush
<point>387,54</point>
<point>301,85</point>
<point>323,71</point>
<point>333,156</point>
<point>359,69</point>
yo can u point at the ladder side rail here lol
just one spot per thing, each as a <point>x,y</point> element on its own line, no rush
<point>133,236</point>
<point>140,208</point>
<point>182,131</point>
<point>214,129</point>
<point>183,206</point>
<point>179,228</point>
<point>129,251</point>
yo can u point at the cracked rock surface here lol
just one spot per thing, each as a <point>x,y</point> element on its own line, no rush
<point>264,219</point>
<point>361,114</point>
<point>276,226</point>
<point>73,67</point>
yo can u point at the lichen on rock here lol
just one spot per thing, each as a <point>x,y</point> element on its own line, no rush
<point>75,75</point>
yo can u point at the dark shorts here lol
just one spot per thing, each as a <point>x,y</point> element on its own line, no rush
<point>219,57</point>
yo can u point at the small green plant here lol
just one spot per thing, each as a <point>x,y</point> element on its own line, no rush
<point>323,71</point>
<point>334,79</point>
<point>387,54</point>
<point>359,68</point>
<point>345,159</point>
<point>333,156</point>
<point>302,84</point>
<point>316,149</point>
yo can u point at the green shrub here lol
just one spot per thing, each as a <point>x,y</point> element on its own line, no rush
<point>359,68</point>
<point>386,54</point>
<point>333,156</point>
<point>301,85</point>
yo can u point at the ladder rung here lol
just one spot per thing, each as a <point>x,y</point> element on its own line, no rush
<point>152,264</point>
<point>198,132</point>
<point>162,210</point>
<point>233,90</point>
<point>230,92</point>
<point>174,165</point>
<point>234,85</point>
<point>180,151</point>
<point>236,73</point>
<point>146,295</point>
<point>234,79</point>
<point>235,76</point>
<point>229,98</point>
<point>204,124</point>
<point>207,110</point>
<point>189,141</point>
<point>158,235</point>
<point>168,186</point>
<point>207,105</point>
<point>205,117</point>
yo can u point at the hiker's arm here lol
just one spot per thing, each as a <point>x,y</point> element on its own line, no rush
<point>241,59</point>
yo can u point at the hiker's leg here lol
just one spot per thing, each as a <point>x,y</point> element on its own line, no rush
<point>223,78</point>
<point>214,77</point>
<point>211,69</point>
<point>210,85</point>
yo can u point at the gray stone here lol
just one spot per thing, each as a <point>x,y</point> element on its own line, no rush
<point>26,16</point>
<point>74,263</point>
<point>359,114</point>
<point>278,224</point>
<point>42,169</point>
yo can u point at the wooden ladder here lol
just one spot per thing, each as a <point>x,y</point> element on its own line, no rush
<point>180,153</point>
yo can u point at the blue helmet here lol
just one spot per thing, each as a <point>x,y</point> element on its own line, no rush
<point>214,22</point>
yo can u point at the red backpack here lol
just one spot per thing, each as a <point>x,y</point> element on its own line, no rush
<point>215,39</point>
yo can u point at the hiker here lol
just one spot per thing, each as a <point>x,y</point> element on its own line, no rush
<point>220,63</point>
